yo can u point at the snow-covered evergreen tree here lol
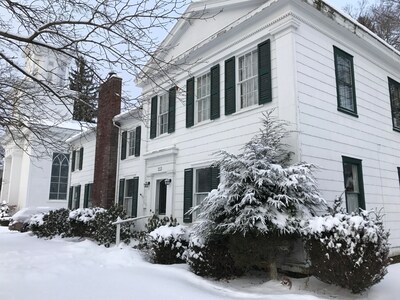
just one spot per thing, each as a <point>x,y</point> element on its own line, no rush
<point>260,191</point>
<point>82,80</point>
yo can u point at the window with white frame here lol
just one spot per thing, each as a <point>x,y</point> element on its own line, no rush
<point>77,160</point>
<point>59,176</point>
<point>163,114</point>
<point>248,79</point>
<point>128,197</point>
<point>131,143</point>
<point>203,91</point>
<point>202,186</point>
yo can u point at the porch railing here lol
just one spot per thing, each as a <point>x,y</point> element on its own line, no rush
<point>120,221</point>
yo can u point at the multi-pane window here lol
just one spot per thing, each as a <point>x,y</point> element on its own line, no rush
<point>353,182</point>
<point>76,197</point>
<point>77,160</point>
<point>248,79</point>
<point>345,87</point>
<point>394,89</point>
<point>131,143</point>
<point>87,200</point>
<point>59,176</point>
<point>163,114</point>
<point>128,196</point>
<point>202,184</point>
<point>203,89</point>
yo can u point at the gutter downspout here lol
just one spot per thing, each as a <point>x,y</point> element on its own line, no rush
<point>118,125</point>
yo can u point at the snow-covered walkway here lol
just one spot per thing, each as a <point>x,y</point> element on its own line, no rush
<point>62,269</point>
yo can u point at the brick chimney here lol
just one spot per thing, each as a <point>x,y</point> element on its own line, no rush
<point>105,167</point>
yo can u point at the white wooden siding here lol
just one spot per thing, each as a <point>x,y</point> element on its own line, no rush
<point>327,134</point>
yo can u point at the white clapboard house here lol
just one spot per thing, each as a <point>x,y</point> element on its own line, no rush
<point>336,82</point>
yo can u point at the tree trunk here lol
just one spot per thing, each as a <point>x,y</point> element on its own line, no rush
<point>272,270</point>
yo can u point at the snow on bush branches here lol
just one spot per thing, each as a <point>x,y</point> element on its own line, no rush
<point>350,250</point>
<point>260,191</point>
<point>169,244</point>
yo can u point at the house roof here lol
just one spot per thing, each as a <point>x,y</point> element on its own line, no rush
<point>198,6</point>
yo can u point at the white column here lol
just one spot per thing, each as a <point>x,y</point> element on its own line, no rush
<point>284,37</point>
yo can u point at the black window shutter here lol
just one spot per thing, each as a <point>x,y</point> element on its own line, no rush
<point>80,159</point>
<point>78,198</point>
<point>398,173</point>
<point>230,86</point>
<point>124,140</point>
<point>135,196</point>
<point>153,120</point>
<point>214,178</point>
<point>214,95</point>
<point>187,195</point>
<point>171,109</point>
<point>71,194</point>
<point>264,73</point>
<point>190,102</point>
<point>138,138</point>
<point>121,192</point>
<point>73,161</point>
<point>86,196</point>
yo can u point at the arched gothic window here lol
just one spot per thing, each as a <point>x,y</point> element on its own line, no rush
<point>59,176</point>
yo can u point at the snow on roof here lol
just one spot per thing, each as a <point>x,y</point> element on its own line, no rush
<point>81,134</point>
<point>347,17</point>
<point>134,112</point>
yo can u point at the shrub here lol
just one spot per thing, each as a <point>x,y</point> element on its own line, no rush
<point>155,221</point>
<point>211,259</point>
<point>4,214</point>
<point>50,224</point>
<point>102,230</point>
<point>168,244</point>
<point>80,219</point>
<point>349,250</point>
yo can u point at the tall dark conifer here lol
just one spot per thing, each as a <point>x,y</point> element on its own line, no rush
<point>82,80</point>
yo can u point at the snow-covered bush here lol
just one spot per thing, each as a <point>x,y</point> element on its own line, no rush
<point>94,223</point>
<point>156,221</point>
<point>349,250</point>
<point>102,229</point>
<point>211,258</point>
<point>4,214</point>
<point>261,193</point>
<point>168,244</point>
<point>20,221</point>
<point>50,224</point>
<point>80,220</point>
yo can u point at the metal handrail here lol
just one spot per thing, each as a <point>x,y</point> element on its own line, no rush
<point>120,221</point>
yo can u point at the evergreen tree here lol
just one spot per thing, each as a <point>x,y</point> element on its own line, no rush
<point>262,201</point>
<point>82,81</point>
<point>260,191</point>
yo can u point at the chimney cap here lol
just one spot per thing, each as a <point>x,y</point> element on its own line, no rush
<point>112,74</point>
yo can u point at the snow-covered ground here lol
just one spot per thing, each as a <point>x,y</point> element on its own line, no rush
<point>64,269</point>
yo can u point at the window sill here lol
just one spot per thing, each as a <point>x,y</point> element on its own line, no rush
<point>57,200</point>
<point>202,123</point>
<point>247,109</point>
<point>397,129</point>
<point>160,136</point>
<point>348,112</point>
<point>131,157</point>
